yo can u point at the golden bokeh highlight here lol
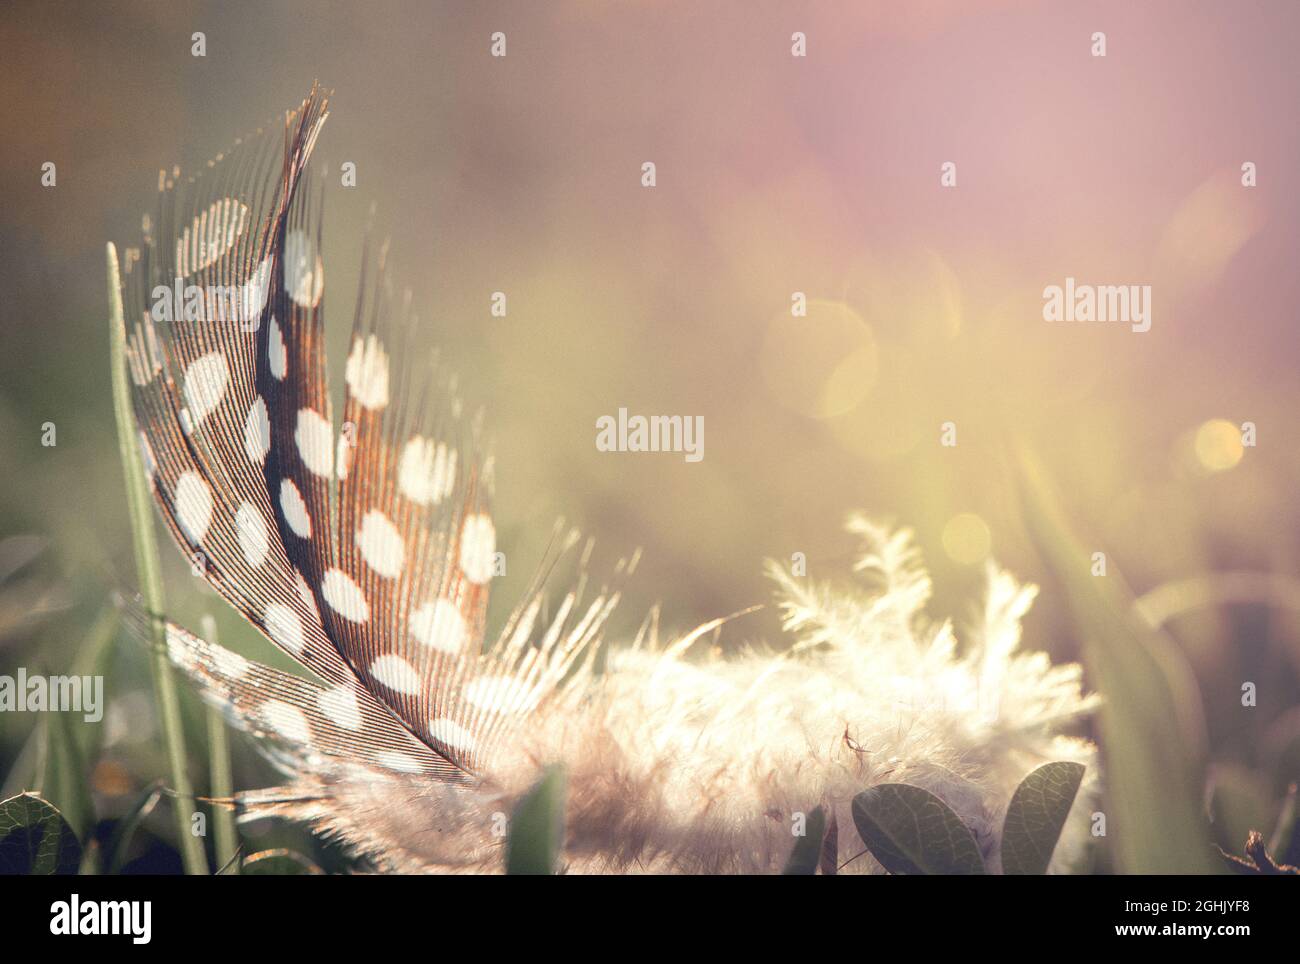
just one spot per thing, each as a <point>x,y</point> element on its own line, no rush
<point>967,539</point>
<point>1211,225</point>
<point>820,364</point>
<point>1218,445</point>
<point>913,293</point>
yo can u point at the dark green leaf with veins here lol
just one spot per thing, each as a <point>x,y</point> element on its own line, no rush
<point>1036,815</point>
<point>35,839</point>
<point>911,831</point>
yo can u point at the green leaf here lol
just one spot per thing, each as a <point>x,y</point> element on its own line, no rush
<point>537,827</point>
<point>63,782</point>
<point>279,862</point>
<point>1152,729</point>
<point>35,839</point>
<point>1036,815</point>
<point>807,850</point>
<point>139,499</point>
<point>911,831</point>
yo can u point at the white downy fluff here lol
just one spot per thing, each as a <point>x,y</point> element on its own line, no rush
<point>684,761</point>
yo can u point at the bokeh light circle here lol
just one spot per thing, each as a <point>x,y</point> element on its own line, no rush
<point>822,364</point>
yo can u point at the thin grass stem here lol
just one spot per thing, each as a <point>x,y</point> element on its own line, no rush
<point>220,774</point>
<point>149,570</point>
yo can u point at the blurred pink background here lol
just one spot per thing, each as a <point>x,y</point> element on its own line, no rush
<point>775,174</point>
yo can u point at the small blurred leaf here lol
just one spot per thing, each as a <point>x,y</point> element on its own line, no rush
<point>1036,815</point>
<point>537,827</point>
<point>92,659</point>
<point>119,844</point>
<point>808,848</point>
<point>280,863</point>
<point>63,782</point>
<point>911,831</point>
<point>35,839</point>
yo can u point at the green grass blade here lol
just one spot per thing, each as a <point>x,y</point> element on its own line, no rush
<point>536,837</point>
<point>94,659</point>
<point>807,851</point>
<point>222,780</point>
<point>1152,731</point>
<point>149,569</point>
<point>220,775</point>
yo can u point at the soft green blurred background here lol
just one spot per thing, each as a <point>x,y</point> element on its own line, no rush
<point>775,174</point>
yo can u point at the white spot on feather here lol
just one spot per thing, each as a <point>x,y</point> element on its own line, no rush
<point>339,704</point>
<point>426,473</point>
<point>294,509</point>
<point>284,627</point>
<point>257,432</point>
<point>396,673</point>
<point>402,762</point>
<point>304,275</point>
<point>478,544</point>
<point>367,373</point>
<point>251,531</point>
<point>315,440</point>
<point>193,506</point>
<point>342,457</point>
<point>286,720</point>
<point>205,385</point>
<point>229,664</point>
<point>344,596</point>
<point>210,235</point>
<point>255,292</point>
<point>440,625</point>
<point>451,734</point>
<point>276,355</point>
<point>178,649</point>
<point>381,544</point>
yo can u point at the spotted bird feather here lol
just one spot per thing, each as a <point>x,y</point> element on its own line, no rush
<point>366,552</point>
